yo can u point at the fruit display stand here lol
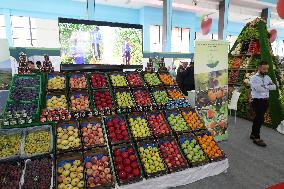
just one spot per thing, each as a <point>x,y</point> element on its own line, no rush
<point>118,139</point>
<point>251,47</point>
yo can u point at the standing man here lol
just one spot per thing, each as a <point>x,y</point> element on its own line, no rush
<point>180,76</point>
<point>261,84</point>
<point>126,51</point>
<point>188,82</point>
<point>96,43</point>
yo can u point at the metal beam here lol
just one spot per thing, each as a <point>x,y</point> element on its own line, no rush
<point>266,15</point>
<point>167,24</point>
<point>223,19</point>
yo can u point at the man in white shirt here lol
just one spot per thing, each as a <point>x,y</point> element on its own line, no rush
<point>261,84</point>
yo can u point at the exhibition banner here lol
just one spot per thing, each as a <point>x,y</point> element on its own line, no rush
<point>211,85</point>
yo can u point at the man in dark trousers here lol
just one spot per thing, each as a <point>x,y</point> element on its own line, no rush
<point>188,81</point>
<point>261,84</point>
<point>180,76</point>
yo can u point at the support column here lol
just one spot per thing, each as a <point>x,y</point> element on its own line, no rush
<point>223,19</point>
<point>192,35</point>
<point>91,9</point>
<point>8,26</point>
<point>266,15</point>
<point>167,25</point>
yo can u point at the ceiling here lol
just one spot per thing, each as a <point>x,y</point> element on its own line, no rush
<point>239,10</point>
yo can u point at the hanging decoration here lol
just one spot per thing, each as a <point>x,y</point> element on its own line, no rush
<point>280,8</point>
<point>272,35</point>
<point>206,25</point>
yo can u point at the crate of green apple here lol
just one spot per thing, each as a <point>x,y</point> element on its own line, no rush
<point>127,166</point>
<point>11,143</point>
<point>118,79</point>
<point>134,79</point>
<point>68,137</point>
<point>103,101</point>
<point>160,96</point>
<point>117,129</point>
<point>171,154</point>
<point>98,169</point>
<point>98,80</point>
<point>142,98</point>
<point>10,174</point>
<point>192,150</point>
<point>151,159</point>
<point>70,171</point>
<point>124,100</point>
<point>152,79</point>
<point>93,133</point>
<point>177,121</point>
<point>139,126</point>
<point>158,124</point>
<point>38,173</point>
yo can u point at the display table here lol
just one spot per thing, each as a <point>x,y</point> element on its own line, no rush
<point>181,178</point>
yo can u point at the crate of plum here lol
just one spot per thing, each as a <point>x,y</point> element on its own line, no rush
<point>68,137</point>
<point>70,171</point>
<point>103,101</point>
<point>192,150</point>
<point>56,81</point>
<point>160,96</point>
<point>139,126</point>
<point>151,159</point>
<point>93,133</point>
<point>209,146</point>
<point>127,166</point>
<point>167,79</point>
<point>98,169</point>
<point>134,79</point>
<point>10,143</point>
<point>142,99</point>
<point>56,100</point>
<point>78,81</point>
<point>117,129</point>
<point>193,119</point>
<point>26,81</point>
<point>38,173</point>
<point>124,100</point>
<point>38,141</point>
<point>79,101</point>
<point>10,175</point>
<point>20,93</point>
<point>177,122</point>
<point>178,104</point>
<point>118,80</point>
<point>98,80</point>
<point>151,79</point>
<point>175,93</point>
<point>171,154</point>
<point>158,124</point>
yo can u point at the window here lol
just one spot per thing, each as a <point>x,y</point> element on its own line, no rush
<point>156,38</point>
<point>180,40</point>
<point>2,27</point>
<point>34,32</point>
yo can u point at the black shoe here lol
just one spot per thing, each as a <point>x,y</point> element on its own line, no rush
<point>252,137</point>
<point>259,142</point>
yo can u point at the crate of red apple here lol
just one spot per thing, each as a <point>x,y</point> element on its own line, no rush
<point>58,114</point>
<point>134,79</point>
<point>103,101</point>
<point>158,124</point>
<point>98,80</point>
<point>142,98</point>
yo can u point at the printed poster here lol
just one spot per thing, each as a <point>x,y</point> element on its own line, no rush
<point>211,85</point>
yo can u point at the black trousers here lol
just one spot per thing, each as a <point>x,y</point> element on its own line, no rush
<point>260,107</point>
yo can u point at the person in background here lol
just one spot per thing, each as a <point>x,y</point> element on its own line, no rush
<point>38,65</point>
<point>126,52</point>
<point>78,53</point>
<point>180,76</point>
<point>260,84</point>
<point>188,81</point>
<point>97,37</point>
<point>31,66</point>
<point>173,72</point>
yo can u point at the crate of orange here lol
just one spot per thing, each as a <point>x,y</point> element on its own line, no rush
<point>175,93</point>
<point>193,119</point>
<point>167,79</point>
<point>209,146</point>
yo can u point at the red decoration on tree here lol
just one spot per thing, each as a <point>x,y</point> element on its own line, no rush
<point>280,8</point>
<point>272,35</point>
<point>206,25</point>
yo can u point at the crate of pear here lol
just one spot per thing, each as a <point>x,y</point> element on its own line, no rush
<point>118,79</point>
<point>56,81</point>
<point>11,143</point>
<point>56,100</point>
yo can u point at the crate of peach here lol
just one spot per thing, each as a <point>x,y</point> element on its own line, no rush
<point>68,137</point>
<point>142,98</point>
<point>175,93</point>
<point>172,155</point>
<point>98,169</point>
<point>117,129</point>
<point>56,81</point>
<point>118,80</point>
<point>70,171</point>
<point>139,126</point>
<point>56,100</point>
<point>78,81</point>
<point>98,80</point>
<point>93,133</point>
<point>134,79</point>
<point>151,159</point>
<point>209,146</point>
<point>192,150</point>
<point>79,102</point>
<point>103,101</point>
<point>127,166</point>
<point>193,119</point>
<point>177,122</point>
<point>158,124</point>
<point>167,79</point>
